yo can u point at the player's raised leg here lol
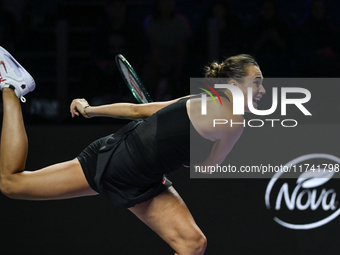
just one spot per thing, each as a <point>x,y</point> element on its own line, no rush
<point>58,181</point>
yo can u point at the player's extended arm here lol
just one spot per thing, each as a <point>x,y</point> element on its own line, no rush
<point>117,110</point>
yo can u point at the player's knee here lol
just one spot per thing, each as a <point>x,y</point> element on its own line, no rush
<point>194,244</point>
<point>8,187</point>
<point>200,244</point>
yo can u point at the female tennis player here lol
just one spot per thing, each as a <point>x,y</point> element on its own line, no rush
<point>128,166</point>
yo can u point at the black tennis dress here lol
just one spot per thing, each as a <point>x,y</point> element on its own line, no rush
<point>129,166</point>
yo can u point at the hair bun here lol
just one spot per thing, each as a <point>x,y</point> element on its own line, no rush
<point>232,67</point>
<point>213,70</point>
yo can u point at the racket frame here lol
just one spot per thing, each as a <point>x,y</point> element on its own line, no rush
<point>147,99</point>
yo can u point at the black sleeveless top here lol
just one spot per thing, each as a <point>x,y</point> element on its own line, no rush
<point>166,140</point>
<point>161,143</point>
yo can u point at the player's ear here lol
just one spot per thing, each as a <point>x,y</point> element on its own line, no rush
<point>233,82</point>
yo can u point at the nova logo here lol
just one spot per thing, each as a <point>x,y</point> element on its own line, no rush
<point>311,200</point>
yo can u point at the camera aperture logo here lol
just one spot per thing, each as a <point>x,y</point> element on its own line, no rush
<point>239,105</point>
<point>204,98</point>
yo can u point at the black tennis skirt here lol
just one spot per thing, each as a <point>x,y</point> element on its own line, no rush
<point>120,179</point>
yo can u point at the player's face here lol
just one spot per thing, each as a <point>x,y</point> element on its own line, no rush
<point>252,80</point>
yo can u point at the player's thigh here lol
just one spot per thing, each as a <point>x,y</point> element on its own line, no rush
<point>59,181</point>
<point>170,218</point>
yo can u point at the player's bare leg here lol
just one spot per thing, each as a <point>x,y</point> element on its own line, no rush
<point>54,182</point>
<point>169,217</point>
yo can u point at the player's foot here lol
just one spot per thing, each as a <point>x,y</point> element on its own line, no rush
<point>13,75</point>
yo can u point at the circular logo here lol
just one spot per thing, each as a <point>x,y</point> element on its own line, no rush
<point>308,193</point>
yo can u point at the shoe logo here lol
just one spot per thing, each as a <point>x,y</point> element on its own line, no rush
<point>23,86</point>
<point>2,63</point>
<point>163,182</point>
<point>1,79</point>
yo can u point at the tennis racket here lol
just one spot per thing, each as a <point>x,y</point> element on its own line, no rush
<point>132,80</point>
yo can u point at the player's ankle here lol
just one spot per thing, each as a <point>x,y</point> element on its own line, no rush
<point>9,90</point>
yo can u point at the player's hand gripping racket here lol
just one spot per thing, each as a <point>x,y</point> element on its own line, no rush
<point>132,80</point>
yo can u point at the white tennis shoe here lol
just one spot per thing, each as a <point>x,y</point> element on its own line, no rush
<point>13,74</point>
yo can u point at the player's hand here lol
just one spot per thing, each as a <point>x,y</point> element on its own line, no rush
<point>78,106</point>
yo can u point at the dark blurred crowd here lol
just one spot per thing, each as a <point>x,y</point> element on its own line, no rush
<point>167,47</point>
<point>166,50</point>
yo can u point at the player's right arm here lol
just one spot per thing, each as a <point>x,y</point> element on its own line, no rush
<point>117,110</point>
